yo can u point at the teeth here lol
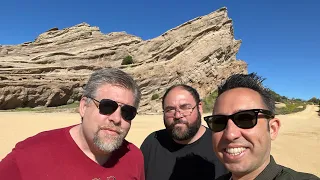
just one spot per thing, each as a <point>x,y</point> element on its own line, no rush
<point>235,151</point>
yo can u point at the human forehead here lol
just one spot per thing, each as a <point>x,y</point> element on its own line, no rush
<point>237,99</point>
<point>178,96</point>
<point>115,92</point>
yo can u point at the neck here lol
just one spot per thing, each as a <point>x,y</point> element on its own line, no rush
<point>253,174</point>
<point>197,136</point>
<point>90,151</point>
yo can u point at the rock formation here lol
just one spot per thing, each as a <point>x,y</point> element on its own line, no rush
<point>51,70</point>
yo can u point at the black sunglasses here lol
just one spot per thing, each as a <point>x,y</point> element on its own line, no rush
<point>108,106</point>
<point>243,119</point>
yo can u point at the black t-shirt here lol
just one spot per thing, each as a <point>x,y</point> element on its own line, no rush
<point>167,160</point>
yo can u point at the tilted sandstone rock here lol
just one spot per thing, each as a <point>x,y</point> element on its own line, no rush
<point>52,70</point>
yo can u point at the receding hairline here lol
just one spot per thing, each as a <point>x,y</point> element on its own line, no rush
<point>179,87</point>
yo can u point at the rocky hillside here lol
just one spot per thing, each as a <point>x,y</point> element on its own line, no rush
<point>51,70</point>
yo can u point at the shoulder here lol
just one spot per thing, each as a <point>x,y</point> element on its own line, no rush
<point>289,173</point>
<point>35,148</point>
<point>205,139</point>
<point>207,133</point>
<point>43,138</point>
<point>154,137</point>
<point>129,153</point>
<point>133,149</point>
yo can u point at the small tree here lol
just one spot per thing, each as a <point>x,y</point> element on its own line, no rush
<point>314,100</point>
<point>127,60</point>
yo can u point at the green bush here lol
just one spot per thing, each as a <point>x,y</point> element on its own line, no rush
<point>208,102</point>
<point>127,60</point>
<point>291,107</point>
<point>277,97</point>
<point>314,100</point>
<point>155,96</point>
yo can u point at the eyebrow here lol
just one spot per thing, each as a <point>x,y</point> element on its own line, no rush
<point>178,106</point>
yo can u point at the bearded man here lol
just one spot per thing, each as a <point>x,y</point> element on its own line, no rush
<point>183,150</point>
<point>94,149</point>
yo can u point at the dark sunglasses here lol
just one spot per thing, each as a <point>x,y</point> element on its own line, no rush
<point>243,119</point>
<point>108,106</point>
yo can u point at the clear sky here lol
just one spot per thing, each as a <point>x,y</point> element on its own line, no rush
<point>280,38</point>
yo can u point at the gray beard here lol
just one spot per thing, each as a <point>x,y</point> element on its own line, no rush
<point>108,143</point>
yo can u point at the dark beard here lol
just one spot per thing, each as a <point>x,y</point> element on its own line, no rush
<point>180,134</point>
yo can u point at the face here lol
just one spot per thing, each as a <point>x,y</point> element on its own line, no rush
<point>243,151</point>
<point>185,122</point>
<point>105,132</point>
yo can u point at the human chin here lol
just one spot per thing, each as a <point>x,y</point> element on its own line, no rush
<point>106,142</point>
<point>182,130</point>
<point>236,160</point>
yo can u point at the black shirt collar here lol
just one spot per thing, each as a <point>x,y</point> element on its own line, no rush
<point>270,172</point>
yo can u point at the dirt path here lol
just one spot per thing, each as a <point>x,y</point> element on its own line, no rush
<point>297,146</point>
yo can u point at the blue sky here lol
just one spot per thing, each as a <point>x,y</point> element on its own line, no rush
<point>280,38</point>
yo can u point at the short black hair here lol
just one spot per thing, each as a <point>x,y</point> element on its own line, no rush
<point>190,89</point>
<point>250,81</point>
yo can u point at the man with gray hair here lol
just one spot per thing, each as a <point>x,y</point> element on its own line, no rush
<point>94,149</point>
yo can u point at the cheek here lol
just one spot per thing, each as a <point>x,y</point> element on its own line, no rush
<point>168,121</point>
<point>92,120</point>
<point>256,136</point>
<point>125,125</point>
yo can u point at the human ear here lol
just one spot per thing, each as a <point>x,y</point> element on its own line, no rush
<point>82,106</point>
<point>274,125</point>
<point>200,107</point>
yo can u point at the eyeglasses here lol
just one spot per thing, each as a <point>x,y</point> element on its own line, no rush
<point>244,119</point>
<point>108,106</point>
<point>184,109</point>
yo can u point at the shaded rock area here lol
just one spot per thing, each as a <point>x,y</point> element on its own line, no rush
<point>51,70</point>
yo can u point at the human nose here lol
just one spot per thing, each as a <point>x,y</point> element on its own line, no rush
<point>232,131</point>
<point>177,113</point>
<point>116,116</point>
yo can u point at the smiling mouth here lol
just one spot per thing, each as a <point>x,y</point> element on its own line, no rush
<point>235,151</point>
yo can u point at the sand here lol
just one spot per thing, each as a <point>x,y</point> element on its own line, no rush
<point>297,146</point>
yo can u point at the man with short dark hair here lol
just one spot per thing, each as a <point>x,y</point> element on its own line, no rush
<point>94,149</point>
<point>183,150</point>
<point>244,124</point>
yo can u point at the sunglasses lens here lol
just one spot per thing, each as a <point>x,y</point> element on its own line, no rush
<point>218,122</point>
<point>107,106</point>
<point>246,119</point>
<point>128,112</point>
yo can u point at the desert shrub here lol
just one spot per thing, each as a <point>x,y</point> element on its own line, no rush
<point>208,101</point>
<point>277,97</point>
<point>154,96</point>
<point>291,107</point>
<point>127,60</point>
<point>314,100</point>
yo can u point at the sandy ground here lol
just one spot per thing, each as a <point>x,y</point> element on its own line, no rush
<point>297,146</point>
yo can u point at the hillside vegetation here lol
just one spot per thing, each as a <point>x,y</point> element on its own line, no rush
<point>290,105</point>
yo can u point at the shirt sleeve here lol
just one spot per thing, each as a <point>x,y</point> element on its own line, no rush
<point>9,168</point>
